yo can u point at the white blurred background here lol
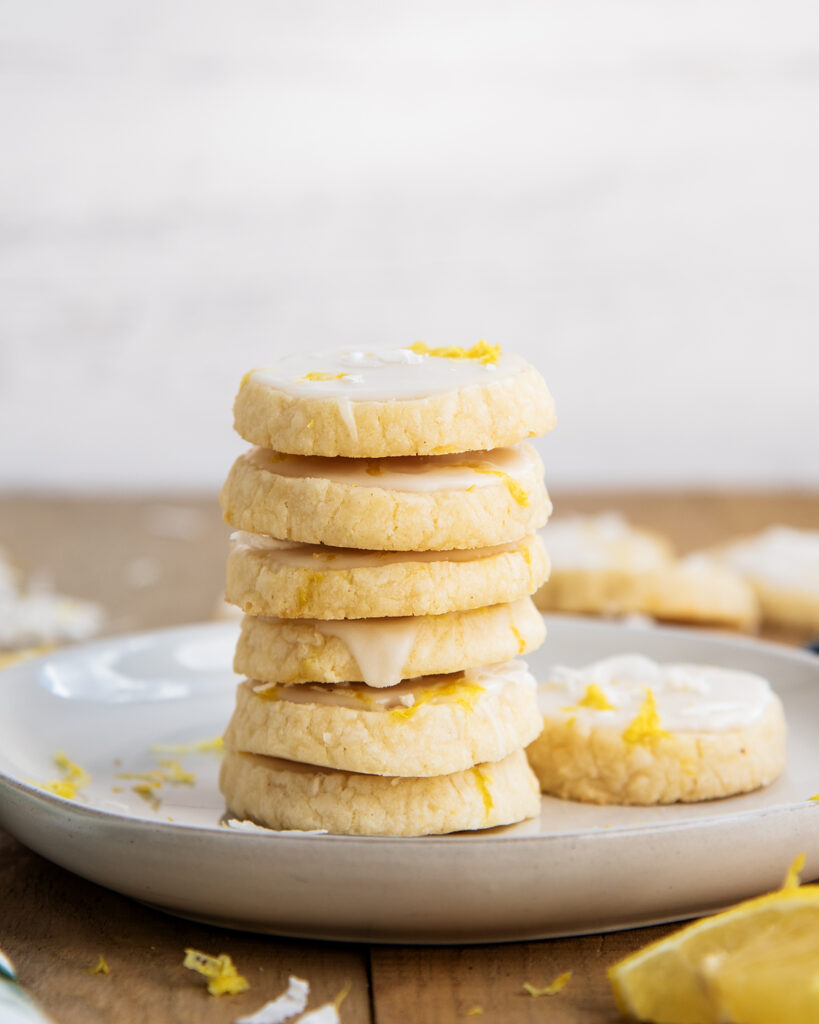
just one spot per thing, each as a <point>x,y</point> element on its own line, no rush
<point>625,191</point>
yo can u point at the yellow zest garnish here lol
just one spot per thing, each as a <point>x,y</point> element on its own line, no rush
<point>521,642</point>
<point>814,797</point>
<point>527,555</point>
<point>571,721</point>
<point>596,699</point>
<point>342,995</point>
<point>247,377</point>
<point>147,787</point>
<point>176,774</point>
<point>101,967</point>
<point>270,691</point>
<point>560,982</point>
<point>791,880</point>
<point>303,593</point>
<point>223,978</point>
<point>514,488</point>
<point>74,778</point>
<point>8,658</point>
<point>318,375</point>
<point>482,351</point>
<point>484,780</point>
<point>645,726</point>
<point>473,1011</point>
<point>213,746</point>
<point>465,694</point>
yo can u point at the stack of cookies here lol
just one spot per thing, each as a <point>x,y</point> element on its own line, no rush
<point>385,557</point>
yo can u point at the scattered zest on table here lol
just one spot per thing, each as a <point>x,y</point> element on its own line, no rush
<point>223,978</point>
<point>101,967</point>
<point>560,982</point>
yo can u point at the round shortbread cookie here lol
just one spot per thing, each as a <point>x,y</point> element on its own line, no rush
<point>630,731</point>
<point>695,590</point>
<point>598,564</point>
<point>422,503</point>
<point>782,566</point>
<point>287,580</point>
<point>388,402</point>
<point>287,795</point>
<point>382,652</point>
<point>429,726</point>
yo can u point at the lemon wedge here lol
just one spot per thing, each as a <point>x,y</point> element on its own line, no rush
<point>757,963</point>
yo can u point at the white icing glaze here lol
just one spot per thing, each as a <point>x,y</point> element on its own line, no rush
<point>322,558</point>
<point>417,473</point>
<point>690,698</point>
<point>381,375</point>
<point>381,648</point>
<point>491,679</point>
<point>601,542</point>
<point>781,556</point>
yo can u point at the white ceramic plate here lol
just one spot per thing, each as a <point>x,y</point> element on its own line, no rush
<point>577,869</point>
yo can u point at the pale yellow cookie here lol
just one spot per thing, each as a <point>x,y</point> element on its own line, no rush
<point>629,731</point>
<point>287,795</point>
<point>429,726</point>
<point>288,580</point>
<point>436,502</point>
<point>382,652</point>
<point>388,402</point>
<point>696,591</point>
<point>598,563</point>
<point>782,566</point>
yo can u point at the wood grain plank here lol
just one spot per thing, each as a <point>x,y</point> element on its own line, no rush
<point>54,926</point>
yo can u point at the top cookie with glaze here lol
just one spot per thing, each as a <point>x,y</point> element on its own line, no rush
<point>385,402</point>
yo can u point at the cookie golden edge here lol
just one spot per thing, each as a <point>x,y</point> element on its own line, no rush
<point>317,510</point>
<point>597,765</point>
<point>260,584</point>
<point>282,795</point>
<point>496,414</point>
<point>298,651</point>
<point>436,738</point>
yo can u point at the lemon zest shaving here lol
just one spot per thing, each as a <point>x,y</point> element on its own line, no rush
<point>791,880</point>
<point>60,787</point>
<point>210,746</point>
<point>100,968</point>
<point>482,351</point>
<point>223,978</point>
<point>464,694</point>
<point>74,778</point>
<point>521,642</point>
<point>645,726</point>
<point>320,375</point>
<point>268,692</point>
<point>560,982</point>
<point>484,780</point>
<point>517,491</point>
<point>473,1011</point>
<point>596,699</point>
<point>814,797</point>
<point>342,995</point>
<point>169,771</point>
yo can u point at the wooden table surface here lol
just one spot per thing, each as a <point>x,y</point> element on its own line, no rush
<point>157,562</point>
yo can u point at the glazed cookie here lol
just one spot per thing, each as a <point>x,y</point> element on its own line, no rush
<point>425,503</point>
<point>597,564</point>
<point>698,591</point>
<point>285,580</point>
<point>286,795</point>
<point>434,725</point>
<point>782,566</point>
<point>630,731</point>
<point>388,402</point>
<point>382,652</point>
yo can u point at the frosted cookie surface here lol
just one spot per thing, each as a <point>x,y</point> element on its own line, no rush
<point>629,730</point>
<point>393,402</point>
<point>382,652</point>
<point>782,565</point>
<point>421,503</point>
<point>434,725</point>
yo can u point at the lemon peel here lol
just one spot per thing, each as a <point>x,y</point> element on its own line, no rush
<point>319,375</point>
<point>482,351</point>
<point>73,778</point>
<point>593,698</point>
<point>223,978</point>
<point>791,879</point>
<point>464,694</point>
<point>101,967</point>
<point>473,1011</point>
<point>645,726</point>
<point>209,746</point>
<point>560,982</point>
<point>484,780</point>
<point>517,491</point>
